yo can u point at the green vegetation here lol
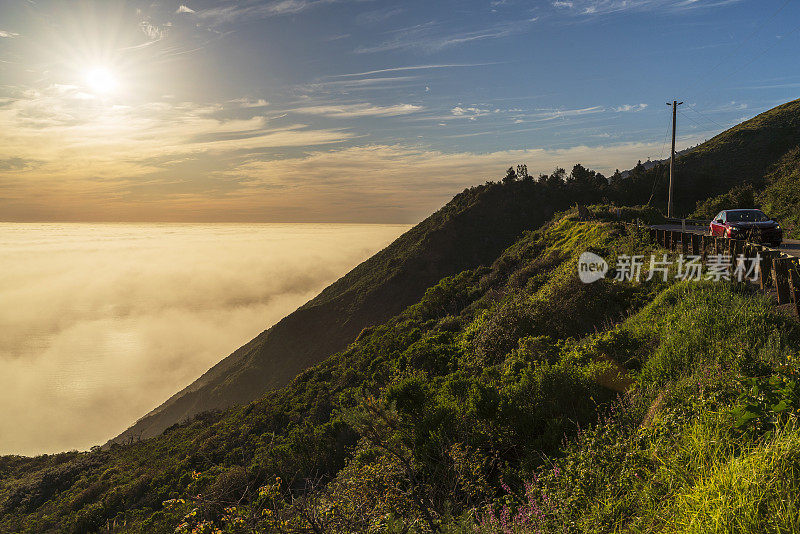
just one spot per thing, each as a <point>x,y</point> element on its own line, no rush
<point>744,154</point>
<point>476,385</point>
<point>472,230</point>
<point>779,195</point>
<point>492,404</point>
<point>740,196</point>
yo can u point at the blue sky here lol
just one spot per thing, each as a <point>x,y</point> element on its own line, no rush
<point>358,110</point>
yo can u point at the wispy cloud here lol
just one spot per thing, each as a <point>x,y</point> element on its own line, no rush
<point>411,68</point>
<point>402,189</point>
<point>258,9</point>
<point>787,85</point>
<point>7,34</point>
<point>470,112</point>
<point>551,114</point>
<point>378,16</point>
<point>249,102</point>
<point>630,107</point>
<point>358,84</point>
<point>606,7</point>
<point>153,32</point>
<point>728,107</point>
<point>85,145</point>
<point>358,110</point>
<point>432,36</point>
<point>184,9</point>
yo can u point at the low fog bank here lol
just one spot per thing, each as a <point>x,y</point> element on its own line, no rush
<point>101,323</point>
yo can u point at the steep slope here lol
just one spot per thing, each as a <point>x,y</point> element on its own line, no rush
<point>778,195</point>
<point>451,240</point>
<point>470,230</point>
<point>483,400</point>
<point>742,154</point>
<point>781,196</point>
<point>458,334</point>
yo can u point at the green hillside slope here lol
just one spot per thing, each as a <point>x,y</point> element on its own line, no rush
<point>470,230</point>
<point>744,154</point>
<point>493,397</point>
<point>465,380</point>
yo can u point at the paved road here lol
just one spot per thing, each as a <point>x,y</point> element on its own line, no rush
<point>789,246</point>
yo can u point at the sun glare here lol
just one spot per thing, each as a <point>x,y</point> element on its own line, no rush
<point>100,80</point>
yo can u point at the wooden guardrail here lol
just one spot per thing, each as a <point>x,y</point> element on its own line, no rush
<point>775,270</point>
<point>684,222</point>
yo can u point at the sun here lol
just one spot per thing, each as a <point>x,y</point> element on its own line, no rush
<point>100,80</point>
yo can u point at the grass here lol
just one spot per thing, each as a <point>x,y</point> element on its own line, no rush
<point>667,456</point>
<point>483,407</point>
<point>752,490</point>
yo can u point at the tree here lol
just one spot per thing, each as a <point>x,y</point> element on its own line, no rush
<point>510,176</point>
<point>557,178</point>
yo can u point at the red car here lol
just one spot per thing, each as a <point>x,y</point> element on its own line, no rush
<point>749,224</point>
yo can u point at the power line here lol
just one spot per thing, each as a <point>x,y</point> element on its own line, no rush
<point>685,116</point>
<point>756,57</point>
<point>794,30</point>
<point>660,157</point>
<point>741,43</point>
<point>706,117</point>
<point>664,145</point>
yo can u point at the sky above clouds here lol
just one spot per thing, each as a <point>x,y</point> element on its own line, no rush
<point>357,110</point>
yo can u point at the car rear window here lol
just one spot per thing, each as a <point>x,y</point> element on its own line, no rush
<point>747,216</point>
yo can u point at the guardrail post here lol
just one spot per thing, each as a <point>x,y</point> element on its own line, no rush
<point>794,285</point>
<point>781,282</point>
<point>740,244</point>
<point>764,269</point>
<point>750,250</point>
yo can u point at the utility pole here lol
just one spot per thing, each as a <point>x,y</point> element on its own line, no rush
<point>674,105</point>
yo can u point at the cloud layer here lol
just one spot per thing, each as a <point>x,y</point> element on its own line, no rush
<point>102,323</point>
<point>215,106</point>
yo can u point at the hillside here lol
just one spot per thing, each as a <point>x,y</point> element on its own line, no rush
<point>744,154</point>
<point>778,195</point>
<point>491,404</point>
<point>464,380</point>
<point>469,231</point>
